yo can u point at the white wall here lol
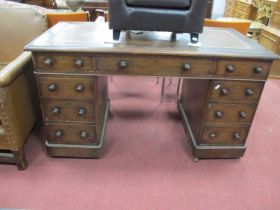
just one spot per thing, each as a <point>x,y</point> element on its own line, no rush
<point>218,8</point>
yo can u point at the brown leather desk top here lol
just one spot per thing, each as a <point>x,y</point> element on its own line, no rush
<point>97,38</point>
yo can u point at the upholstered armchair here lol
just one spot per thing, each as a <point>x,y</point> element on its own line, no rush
<point>178,16</point>
<point>19,108</point>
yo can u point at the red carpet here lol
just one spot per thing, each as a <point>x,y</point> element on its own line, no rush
<point>147,164</point>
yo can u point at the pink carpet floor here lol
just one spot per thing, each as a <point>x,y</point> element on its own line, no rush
<point>147,165</point>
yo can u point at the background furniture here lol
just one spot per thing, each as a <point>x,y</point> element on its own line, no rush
<point>220,93</point>
<point>43,3</point>
<point>229,9</point>
<point>95,8</point>
<point>238,24</point>
<point>264,9</point>
<point>180,16</point>
<point>270,38</point>
<point>55,17</point>
<point>244,10</point>
<point>18,97</point>
<point>275,17</point>
<point>209,9</point>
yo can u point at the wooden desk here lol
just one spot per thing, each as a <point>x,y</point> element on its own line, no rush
<point>223,82</point>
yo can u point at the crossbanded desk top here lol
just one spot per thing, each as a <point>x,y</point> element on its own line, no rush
<point>97,38</point>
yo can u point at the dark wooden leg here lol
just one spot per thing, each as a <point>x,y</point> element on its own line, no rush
<point>116,34</point>
<point>194,37</point>
<point>20,159</point>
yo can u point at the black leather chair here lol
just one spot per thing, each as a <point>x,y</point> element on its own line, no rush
<point>178,16</point>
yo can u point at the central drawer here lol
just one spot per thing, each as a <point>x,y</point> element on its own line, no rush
<point>71,134</point>
<point>71,87</point>
<point>69,111</point>
<point>230,113</point>
<point>153,65</point>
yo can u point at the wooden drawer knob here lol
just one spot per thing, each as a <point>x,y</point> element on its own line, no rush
<point>48,61</point>
<point>219,114</point>
<point>81,111</point>
<point>258,70</point>
<point>242,114</point>
<point>79,63</point>
<point>186,67</point>
<point>212,135</point>
<point>83,134</point>
<point>249,92</point>
<point>123,64</point>
<point>56,110</point>
<point>79,88</point>
<point>52,87</point>
<point>230,68</point>
<point>236,136</point>
<point>224,92</point>
<point>58,133</point>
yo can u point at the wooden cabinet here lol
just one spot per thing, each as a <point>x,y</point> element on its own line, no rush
<point>270,38</point>
<point>74,105</point>
<point>244,10</point>
<point>223,82</point>
<point>229,9</point>
<point>275,17</point>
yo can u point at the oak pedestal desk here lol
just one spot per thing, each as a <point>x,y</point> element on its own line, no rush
<point>223,82</point>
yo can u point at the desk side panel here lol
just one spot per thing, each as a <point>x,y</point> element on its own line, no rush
<point>193,98</point>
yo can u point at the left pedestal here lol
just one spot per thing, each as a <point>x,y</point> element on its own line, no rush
<point>74,104</point>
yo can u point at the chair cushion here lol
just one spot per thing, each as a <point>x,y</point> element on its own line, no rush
<point>172,4</point>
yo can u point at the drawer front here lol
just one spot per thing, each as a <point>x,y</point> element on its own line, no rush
<point>242,7</point>
<point>229,90</point>
<point>64,63</point>
<point>154,66</point>
<point>255,69</point>
<point>275,19</point>
<point>74,87</point>
<point>224,135</point>
<point>267,41</point>
<point>230,113</point>
<point>231,4</point>
<point>240,14</point>
<point>71,134</point>
<point>69,111</point>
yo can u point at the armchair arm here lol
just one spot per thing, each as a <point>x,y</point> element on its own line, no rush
<point>119,13</point>
<point>14,68</point>
<point>199,5</point>
<point>197,13</point>
<point>116,3</point>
